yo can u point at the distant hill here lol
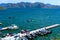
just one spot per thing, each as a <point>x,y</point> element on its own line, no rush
<point>28,5</point>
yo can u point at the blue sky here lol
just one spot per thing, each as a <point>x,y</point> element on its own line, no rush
<point>55,2</point>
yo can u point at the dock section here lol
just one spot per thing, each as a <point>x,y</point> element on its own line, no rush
<point>53,26</point>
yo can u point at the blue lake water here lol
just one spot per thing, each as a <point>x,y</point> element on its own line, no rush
<point>40,18</point>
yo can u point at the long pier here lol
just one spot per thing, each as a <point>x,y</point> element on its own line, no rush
<point>26,36</point>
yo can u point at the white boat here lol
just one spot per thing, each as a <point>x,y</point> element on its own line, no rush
<point>26,36</point>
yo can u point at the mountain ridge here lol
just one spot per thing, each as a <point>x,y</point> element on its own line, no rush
<point>28,5</point>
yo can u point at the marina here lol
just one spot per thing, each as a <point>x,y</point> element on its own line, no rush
<point>26,35</point>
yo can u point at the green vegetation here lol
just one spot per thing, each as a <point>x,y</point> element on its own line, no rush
<point>2,8</point>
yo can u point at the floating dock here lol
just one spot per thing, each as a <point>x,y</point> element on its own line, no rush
<point>13,26</point>
<point>28,35</point>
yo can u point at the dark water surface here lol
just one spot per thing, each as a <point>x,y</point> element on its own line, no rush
<point>31,19</point>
